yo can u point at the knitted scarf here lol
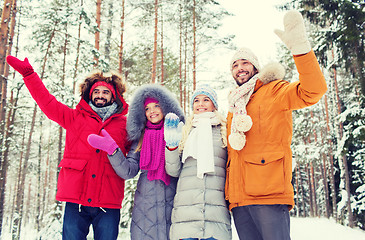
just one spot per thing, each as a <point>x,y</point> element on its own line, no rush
<point>199,143</point>
<point>241,122</point>
<point>104,112</point>
<point>152,156</point>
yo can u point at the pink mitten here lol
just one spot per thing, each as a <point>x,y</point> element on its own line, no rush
<point>23,67</point>
<point>104,142</point>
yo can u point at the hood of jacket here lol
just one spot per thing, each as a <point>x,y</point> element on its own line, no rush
<point>271,72</point>
<point>137,118</point>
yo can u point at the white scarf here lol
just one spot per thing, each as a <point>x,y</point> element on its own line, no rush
<point>199,143</point>
<point>241,122</point>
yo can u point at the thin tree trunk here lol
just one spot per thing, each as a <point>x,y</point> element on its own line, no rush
<point>121,38</point>
<point>20,199</point>
<point>297,188</point>
<point>332,171</point>
<point>162,62</point>
<point>194,45</point>
<point>77,51</point>
<point>154,59</point>
<point>314,194</point>
<point>346,174</point>
<point>325,181</point>
<point>185,68</point>
<point>4,32</point>
<point>109,33</point>
<point>39,173</point>
<point>180,55</point>
<point>5,44</point>
<point>97,33</point>
<point>15,212</point>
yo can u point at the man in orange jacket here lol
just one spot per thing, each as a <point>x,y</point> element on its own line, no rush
<point>259,167</point>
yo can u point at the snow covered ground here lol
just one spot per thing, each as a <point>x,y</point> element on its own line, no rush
<point>315,229</point>
<point>301,229</point>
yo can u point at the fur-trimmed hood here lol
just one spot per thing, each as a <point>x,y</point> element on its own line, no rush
<point>271,72</point>
<point>111,77</point>
<point>136,120</point>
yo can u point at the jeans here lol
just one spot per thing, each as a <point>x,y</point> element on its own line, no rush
<point>77,220</point>
<point>261,222</point>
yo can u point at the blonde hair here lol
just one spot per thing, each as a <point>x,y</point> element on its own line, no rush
<point>189,124</point>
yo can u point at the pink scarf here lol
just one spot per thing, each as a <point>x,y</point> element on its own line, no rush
<point>152,156</point>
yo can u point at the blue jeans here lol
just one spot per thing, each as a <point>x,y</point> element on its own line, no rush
<point>77,221</point>
<point>198,238</point>
<point>261,222</point>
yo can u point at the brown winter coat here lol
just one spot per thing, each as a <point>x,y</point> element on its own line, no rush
<point>261,172</point>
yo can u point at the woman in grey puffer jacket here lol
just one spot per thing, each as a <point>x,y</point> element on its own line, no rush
<point>200,210</point>
<point>151,214</point>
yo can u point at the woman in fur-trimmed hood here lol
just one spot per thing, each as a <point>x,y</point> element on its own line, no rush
<point>153,201</point>
<point>137,120</point>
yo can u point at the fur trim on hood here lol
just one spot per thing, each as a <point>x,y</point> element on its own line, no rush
<point>112,78</point>
<point>136,120</point>
<point>271,72</point>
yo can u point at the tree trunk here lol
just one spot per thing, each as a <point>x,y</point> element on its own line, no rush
<point>314,195</point>
<point>154,59</point>
<point>109,33</point>
<point>345,173</point>
<point>20,199</point>
<point>180,54</point>
<point>194,45</point>
<point>5,44</point>
<point>77,51</point>
<point>332,171</point>
<point>162,67</point>
<point>121,38</point>
<point>4,32</point>
<point>97,33</point>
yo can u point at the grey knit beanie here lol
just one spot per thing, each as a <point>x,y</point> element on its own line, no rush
<point>206,90</point>
<point>247,54</point>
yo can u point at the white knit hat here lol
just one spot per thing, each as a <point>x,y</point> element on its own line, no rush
<point>247,54</point>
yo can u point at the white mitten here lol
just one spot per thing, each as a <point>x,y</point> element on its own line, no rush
<point>172,130</point>
<point>294,35</point>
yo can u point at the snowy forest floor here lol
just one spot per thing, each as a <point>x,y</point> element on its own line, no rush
<point>301,229</point>
<point>314,229</point>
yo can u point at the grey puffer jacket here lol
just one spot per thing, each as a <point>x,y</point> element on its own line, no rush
<point>200,209</point>
<point>153,200</point>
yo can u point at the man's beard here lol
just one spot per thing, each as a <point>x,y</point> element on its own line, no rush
<point>105,103</point>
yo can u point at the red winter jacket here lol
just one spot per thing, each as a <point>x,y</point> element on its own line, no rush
<point>86,176</point>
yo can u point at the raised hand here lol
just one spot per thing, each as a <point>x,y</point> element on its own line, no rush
<point>172,130</point>
<point>23,67</point>
<point>294,35</point>
<point>104,142</point>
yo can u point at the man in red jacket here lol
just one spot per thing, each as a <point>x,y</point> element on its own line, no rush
<point>93,192</point>
<point>259,129</point>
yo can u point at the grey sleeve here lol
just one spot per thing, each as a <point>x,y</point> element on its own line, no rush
<point>126,167</point>
<point>173,163</point>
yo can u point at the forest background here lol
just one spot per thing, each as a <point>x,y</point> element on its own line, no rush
<point>168,42</point>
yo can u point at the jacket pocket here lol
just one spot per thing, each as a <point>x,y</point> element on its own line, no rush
<point>71,178</point>
<point>264,174</point>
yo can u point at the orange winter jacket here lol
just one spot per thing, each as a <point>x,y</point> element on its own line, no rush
<point>261,172</point>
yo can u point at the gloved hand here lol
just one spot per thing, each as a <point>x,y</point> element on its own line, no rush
<point>104,142</point>
<point>294,35</point>
<point>172,130</point>
<point>23,67</point>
